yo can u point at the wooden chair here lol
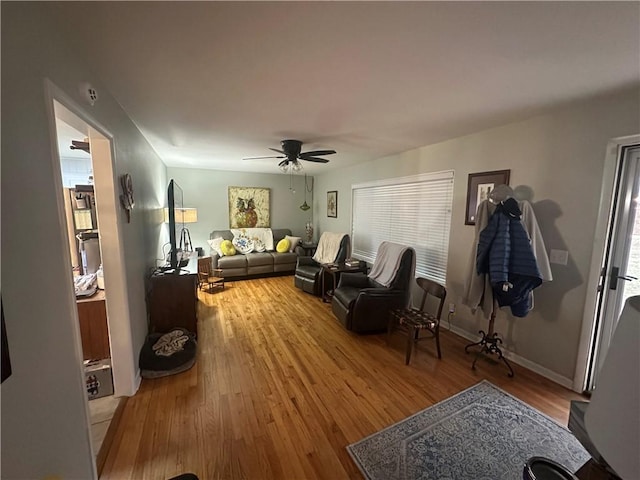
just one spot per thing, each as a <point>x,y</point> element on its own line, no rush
<point>413,320</point>
<point>208,276</point>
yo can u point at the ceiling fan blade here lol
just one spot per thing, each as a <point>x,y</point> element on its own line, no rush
<point>259,158</point>
<point>315,153</point>
<point>314,159</point>
<point>276,150</point>
<point>77,145</point>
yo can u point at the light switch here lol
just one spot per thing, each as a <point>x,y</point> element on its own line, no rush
<point>561,257</point>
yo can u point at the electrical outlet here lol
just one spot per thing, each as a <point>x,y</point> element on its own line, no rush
<point>452,308</point>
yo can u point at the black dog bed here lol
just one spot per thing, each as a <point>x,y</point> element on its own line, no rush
<point>167,353</point>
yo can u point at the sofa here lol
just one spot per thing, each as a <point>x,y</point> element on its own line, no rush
<point>255,264</point>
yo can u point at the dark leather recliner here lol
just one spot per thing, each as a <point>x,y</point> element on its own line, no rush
<point>307,275</point>
<point>362,305</point>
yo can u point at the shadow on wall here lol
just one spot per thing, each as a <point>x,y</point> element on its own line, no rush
<point>549,296</point>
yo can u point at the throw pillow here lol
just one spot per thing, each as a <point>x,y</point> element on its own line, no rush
<point>243,245</point>
<point>214,243</point>
<point>227,248</point>
<point>258,245</point>
<point>283,246</point>
<point>294,242</point>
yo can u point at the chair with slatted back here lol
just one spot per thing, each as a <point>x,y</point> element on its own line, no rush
<point>208,276</point>
<point>413,320</point>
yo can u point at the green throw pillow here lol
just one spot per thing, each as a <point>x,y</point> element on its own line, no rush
<point>283,245</point>
<point>227,248</point>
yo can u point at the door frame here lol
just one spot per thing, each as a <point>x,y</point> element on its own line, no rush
<point>126,378</point>
<point>602,238</point>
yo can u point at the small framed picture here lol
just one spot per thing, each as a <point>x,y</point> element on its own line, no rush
<point>478,189</point>
<point>332,204</point>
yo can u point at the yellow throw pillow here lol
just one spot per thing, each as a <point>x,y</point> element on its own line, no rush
<point>283,245</point>
<point>227,248</point>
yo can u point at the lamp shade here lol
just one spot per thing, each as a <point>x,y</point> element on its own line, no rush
<point>612,419</point>
<point>183,215</point>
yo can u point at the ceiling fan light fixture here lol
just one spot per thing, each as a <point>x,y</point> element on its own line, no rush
<point>291,155</point>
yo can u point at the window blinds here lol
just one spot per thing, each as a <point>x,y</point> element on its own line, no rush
<point>413,211</point>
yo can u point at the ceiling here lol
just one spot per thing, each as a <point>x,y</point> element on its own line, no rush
<point>208,83</point>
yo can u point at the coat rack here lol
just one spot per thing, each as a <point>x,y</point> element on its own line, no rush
<point>490,341</point>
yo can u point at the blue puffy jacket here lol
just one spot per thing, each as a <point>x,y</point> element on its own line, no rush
<point>505,253</point>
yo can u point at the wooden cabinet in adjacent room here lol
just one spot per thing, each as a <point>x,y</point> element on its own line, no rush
<point>173,301</point>
<point>94,332</point>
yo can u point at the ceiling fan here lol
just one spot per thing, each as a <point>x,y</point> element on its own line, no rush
<point>292,152</point>
<point>78,145</point>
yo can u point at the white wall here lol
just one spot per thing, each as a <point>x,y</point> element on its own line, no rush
<point>44,423</point>
<point>557,159</point>
<point>207,190</point>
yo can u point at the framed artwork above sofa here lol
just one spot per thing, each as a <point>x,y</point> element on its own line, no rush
<point>249,207</point>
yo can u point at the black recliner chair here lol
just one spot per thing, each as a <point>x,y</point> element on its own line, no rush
<point>362,305</point>
<point>307,275</point>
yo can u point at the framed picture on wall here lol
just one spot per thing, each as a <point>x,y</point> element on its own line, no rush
<point>332,204</point>
<point>249,207</point>
<point>478,189</point>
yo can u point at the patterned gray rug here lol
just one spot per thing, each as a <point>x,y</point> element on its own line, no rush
<point>482,433</point>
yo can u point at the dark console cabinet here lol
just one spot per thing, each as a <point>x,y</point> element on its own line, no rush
<point>172,302</point>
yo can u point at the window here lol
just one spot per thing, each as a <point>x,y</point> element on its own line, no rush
<point>414,211</point>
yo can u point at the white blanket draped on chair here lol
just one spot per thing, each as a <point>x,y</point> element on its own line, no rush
<point>387,262</point>
<point>328,247</point>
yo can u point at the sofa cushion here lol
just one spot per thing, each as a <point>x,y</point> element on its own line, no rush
<point>283,246</point>
<point>256,259</point>
<point>236,261</point>
<point>284,258</point>
<point>260,269</point>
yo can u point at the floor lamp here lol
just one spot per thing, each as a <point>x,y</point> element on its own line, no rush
<point>185,216</point>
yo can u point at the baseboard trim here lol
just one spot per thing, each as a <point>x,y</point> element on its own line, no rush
<point>515,358</point>
<point>137,382</point>
<point>101,458</point>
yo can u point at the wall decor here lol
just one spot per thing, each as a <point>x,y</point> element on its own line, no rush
<point>126,199</point>
<point>249,207</point>
<point>478,188</point>
<point>332,204</point>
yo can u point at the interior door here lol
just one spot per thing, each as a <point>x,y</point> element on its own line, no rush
<point>621,272</point>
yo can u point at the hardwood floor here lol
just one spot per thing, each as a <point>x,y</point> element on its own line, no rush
<point>280,389</point>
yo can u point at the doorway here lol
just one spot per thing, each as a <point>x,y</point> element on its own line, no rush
<point>80,201</point>
<point>125,375</point>
<point>616,260</point>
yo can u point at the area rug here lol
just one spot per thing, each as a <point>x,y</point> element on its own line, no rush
<point>481,433</point>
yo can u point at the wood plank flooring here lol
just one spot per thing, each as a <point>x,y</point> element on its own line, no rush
<point>280,389</point>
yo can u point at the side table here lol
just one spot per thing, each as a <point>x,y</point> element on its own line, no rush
<point>334,270</point>
<point>309,249</point>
